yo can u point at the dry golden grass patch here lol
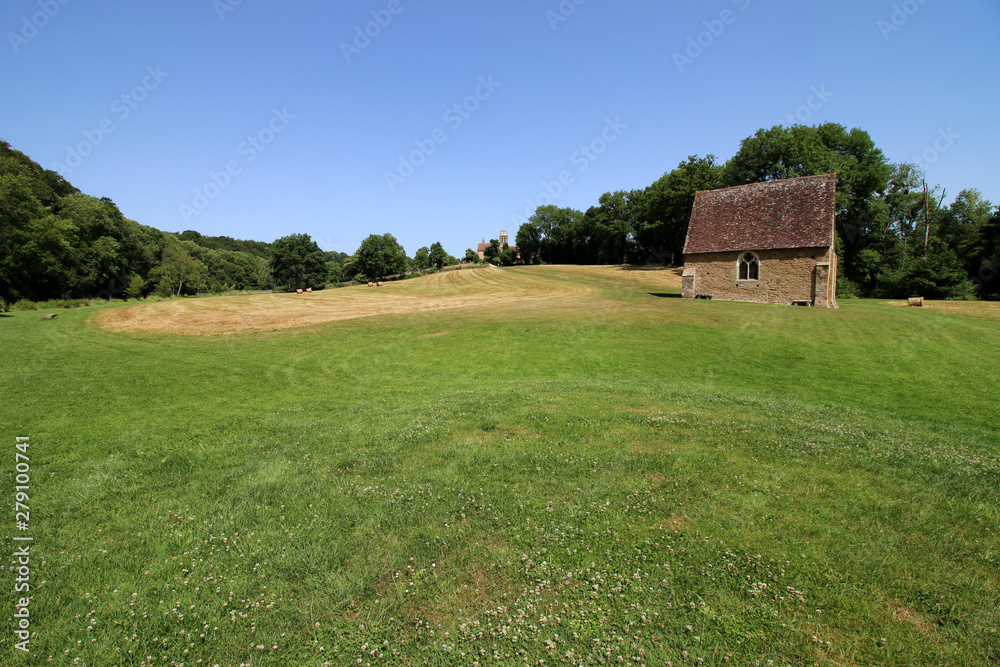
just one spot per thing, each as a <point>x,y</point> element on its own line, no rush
<point>989,309</point>
<point>652,276</point>
<point>656,479</point>
<point>678,521</point>
<point>494,438</point>
<point>631,277</point>
<point>470,589</point>
<point>904,614</point>
<point>271,312</point>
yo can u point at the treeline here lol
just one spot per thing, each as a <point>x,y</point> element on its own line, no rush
<point>895,236</point>
<point>58,243</point>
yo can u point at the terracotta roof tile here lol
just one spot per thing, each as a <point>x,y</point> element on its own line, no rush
<point>791,213</point>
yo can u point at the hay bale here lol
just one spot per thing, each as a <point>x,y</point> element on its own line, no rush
<point>298,291</point>
<point>371,284</point>
<point>916,301</point>
<point>52,316</point>
<point>309,289</point>
<point>379,284</point>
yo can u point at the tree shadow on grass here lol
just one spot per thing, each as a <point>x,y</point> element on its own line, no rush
<point>650,267</point>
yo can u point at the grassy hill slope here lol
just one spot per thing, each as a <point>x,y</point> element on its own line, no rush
<point>567,465</point>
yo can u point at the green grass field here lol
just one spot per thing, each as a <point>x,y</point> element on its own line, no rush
<point>603,474</point>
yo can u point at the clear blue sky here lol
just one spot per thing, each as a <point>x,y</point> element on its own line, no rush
<point>201,77</point>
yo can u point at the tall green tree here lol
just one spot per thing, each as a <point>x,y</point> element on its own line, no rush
<point>528,241</point>
<point>335,273</point>
<point>379,256</point>
<point>491,252</point>
<point>19,208</point>
<point>615,220</point>
<point>438,257</point>
<point>101,257</point>
<point>962,224</point>
<point>297,262</point>
<point>178,269</point>
<point>43,259</point>
<point>262,276</point>
<point>924,249</point>
<point>862,175</point>
<point>557,235</point>
<point>665,209</point>
<point>986,275</point>
<point>938,275</point>
<point>905,200</point>
<point>421,259</point>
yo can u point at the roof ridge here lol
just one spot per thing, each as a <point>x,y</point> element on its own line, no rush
<point>799,212</point>
<point>777,180</point>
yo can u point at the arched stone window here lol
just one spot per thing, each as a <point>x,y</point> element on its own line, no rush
<point>749,268</point>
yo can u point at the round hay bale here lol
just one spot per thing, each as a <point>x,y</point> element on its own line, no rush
<point>916,301</point>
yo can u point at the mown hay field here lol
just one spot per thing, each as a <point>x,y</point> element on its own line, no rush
<point>271,312</point>
<point>538,465</point>
<point>989,309</point>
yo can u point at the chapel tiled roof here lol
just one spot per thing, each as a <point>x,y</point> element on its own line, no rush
<point>791,213</point>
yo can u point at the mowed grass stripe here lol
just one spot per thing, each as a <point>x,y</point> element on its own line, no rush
<point>257,313</point>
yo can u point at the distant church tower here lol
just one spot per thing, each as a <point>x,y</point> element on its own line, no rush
<point>504,241</point>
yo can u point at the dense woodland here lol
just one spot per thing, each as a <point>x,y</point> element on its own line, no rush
<point>895,235</point>
<point>58,243</point>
